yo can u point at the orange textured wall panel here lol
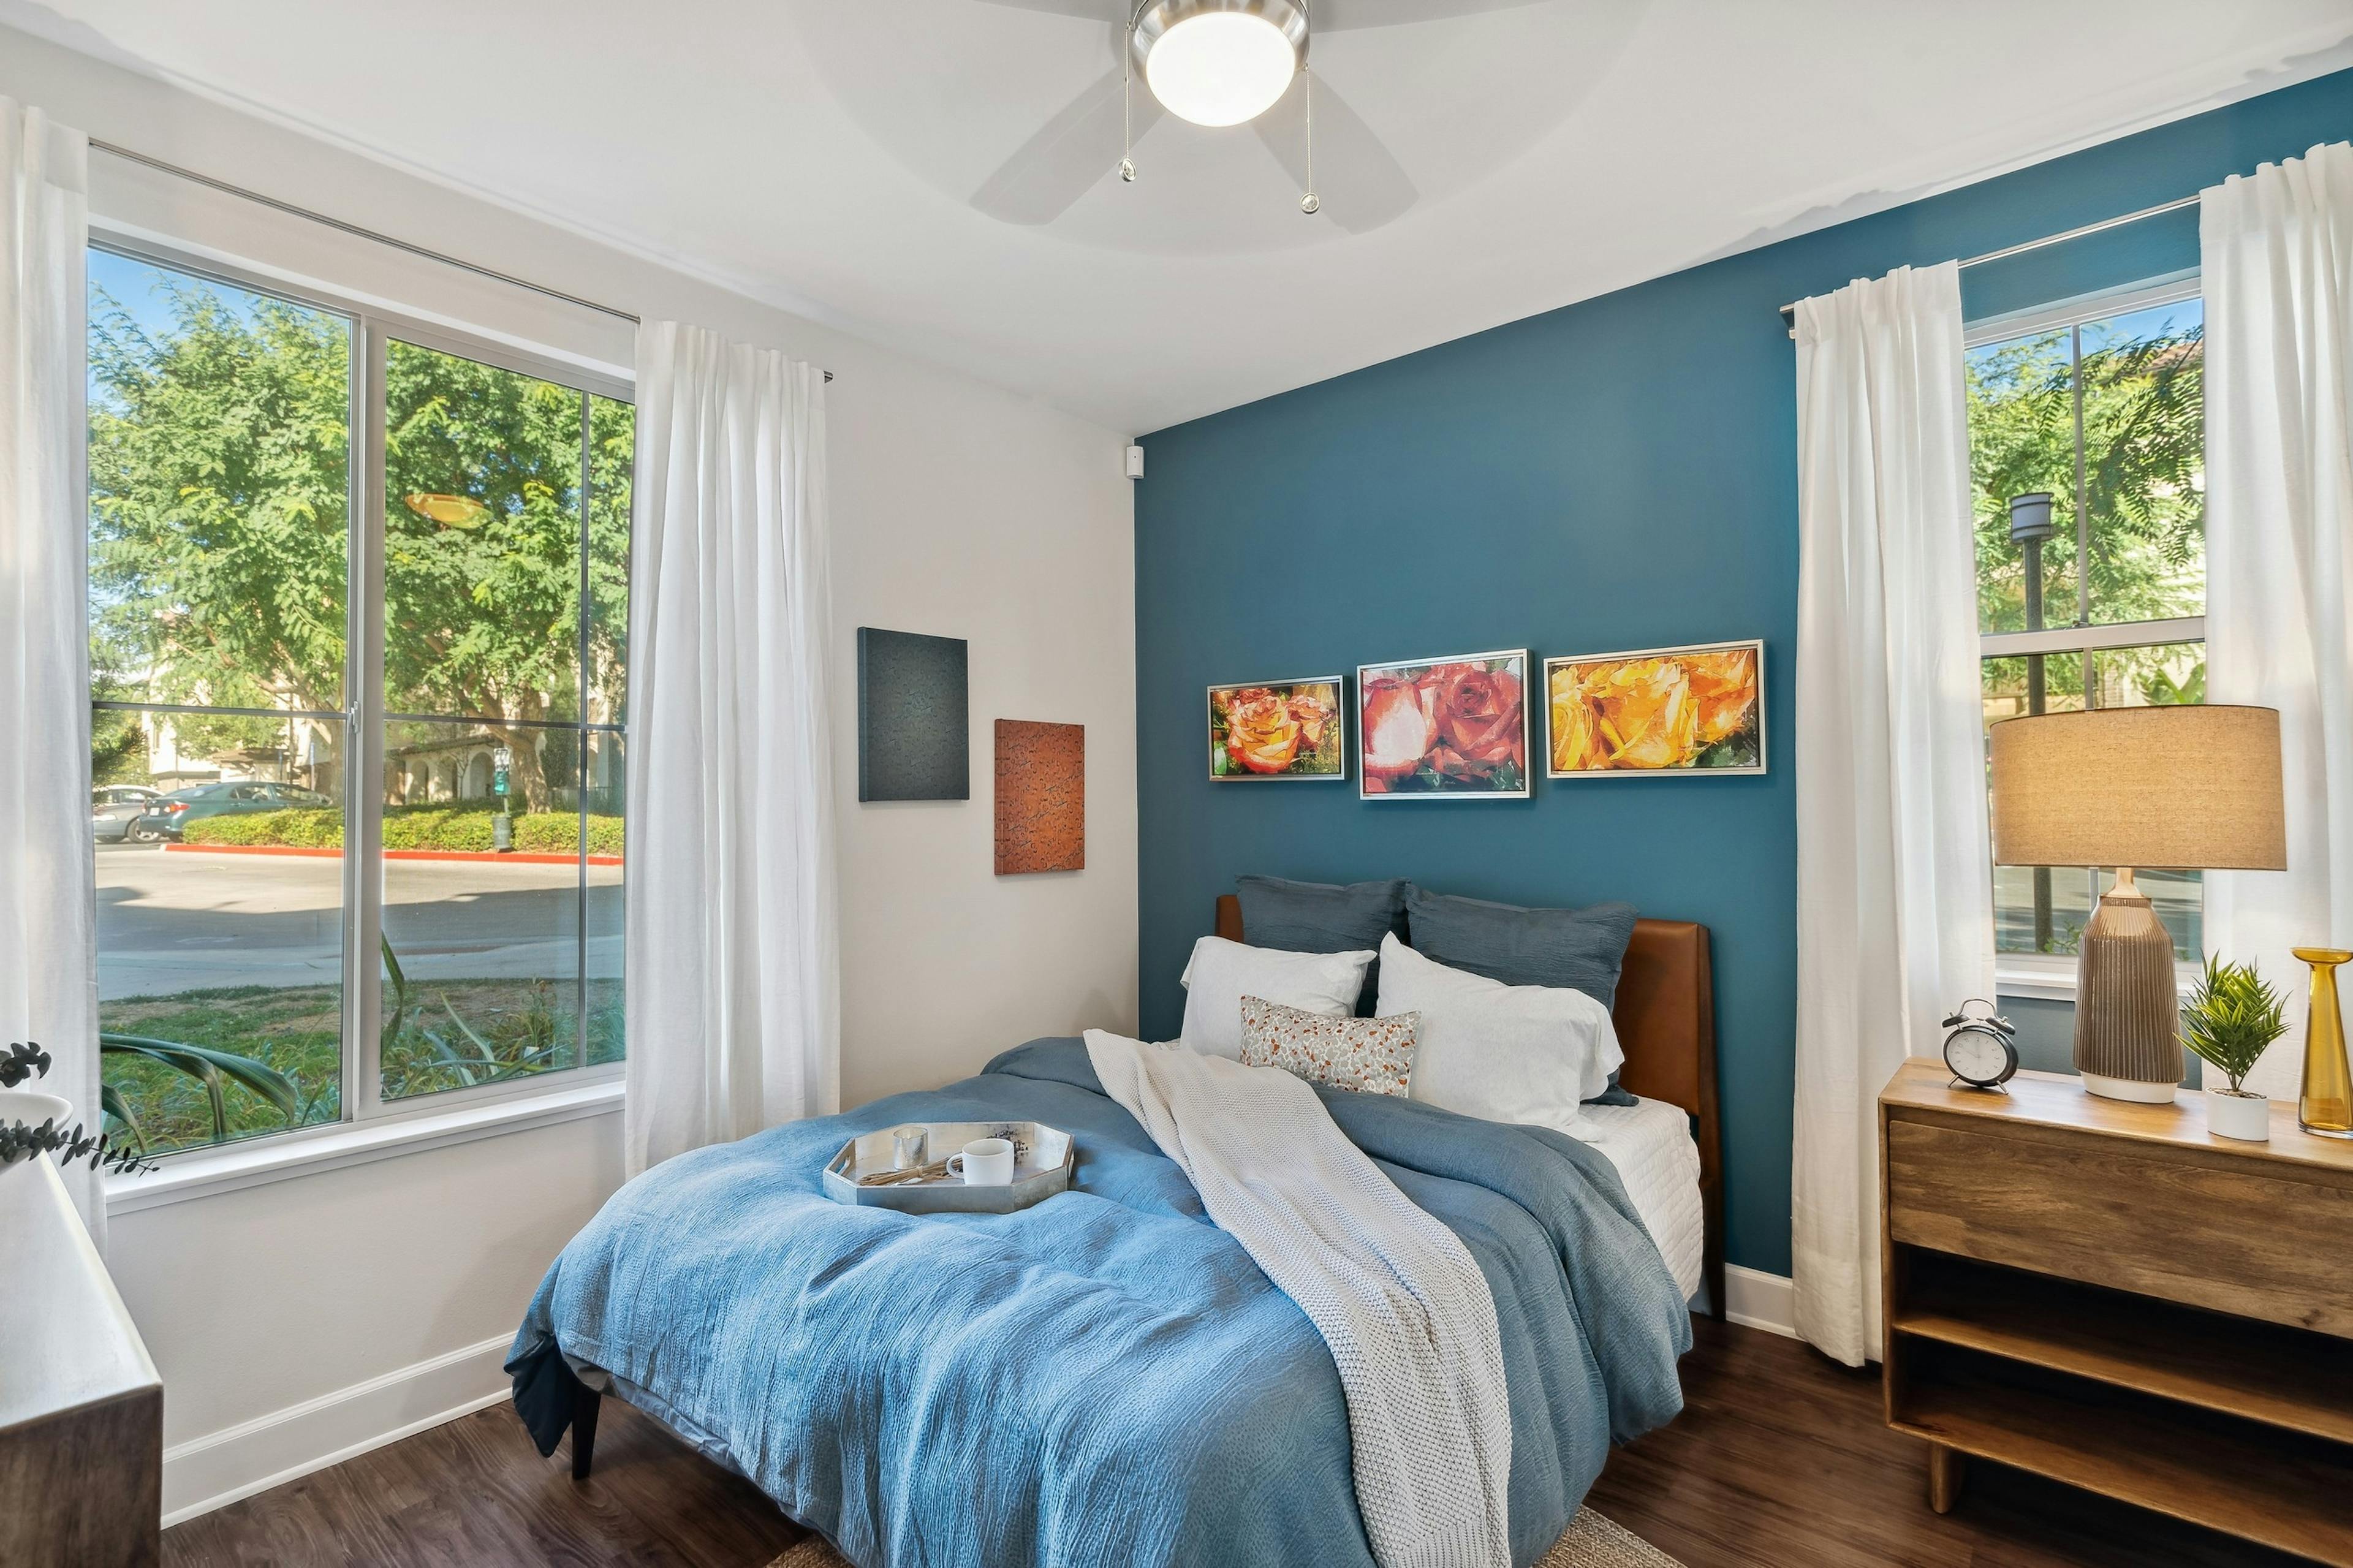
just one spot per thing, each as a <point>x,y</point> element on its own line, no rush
<point>1041,798</point>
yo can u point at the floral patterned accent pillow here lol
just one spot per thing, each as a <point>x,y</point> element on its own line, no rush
<point>1374,1055</point>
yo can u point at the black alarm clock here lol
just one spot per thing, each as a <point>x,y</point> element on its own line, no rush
<point>1980,1048</point>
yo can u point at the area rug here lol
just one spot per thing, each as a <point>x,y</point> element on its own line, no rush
<point>1592,1541</point>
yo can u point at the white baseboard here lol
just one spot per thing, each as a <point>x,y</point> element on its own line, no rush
<point>212,1471</point>
<point>1755,1300</point>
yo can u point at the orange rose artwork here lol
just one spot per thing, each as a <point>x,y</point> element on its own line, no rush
<point>1279,729</point>
<point>1453,726</point>
<point>1697,709</point>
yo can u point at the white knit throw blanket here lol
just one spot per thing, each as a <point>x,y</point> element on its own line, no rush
<point>1404,1311</point>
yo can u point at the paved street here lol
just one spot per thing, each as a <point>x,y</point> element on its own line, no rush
<point>175,922</point>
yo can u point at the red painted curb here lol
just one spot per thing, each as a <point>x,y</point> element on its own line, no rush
<point>511,856</point>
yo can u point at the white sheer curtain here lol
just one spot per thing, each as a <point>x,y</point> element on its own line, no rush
<point>2278,263</point>
<point>48,957</point>
<point>733,963</point>
<point>1894,907</point>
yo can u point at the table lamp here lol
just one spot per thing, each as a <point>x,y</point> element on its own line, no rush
<point>2191,788</point>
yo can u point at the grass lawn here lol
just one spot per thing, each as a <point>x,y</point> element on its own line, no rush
<point>299,1029</point>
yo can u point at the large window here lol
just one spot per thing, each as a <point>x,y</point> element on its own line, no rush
<point>2087,452</point>
<point>358,600</point>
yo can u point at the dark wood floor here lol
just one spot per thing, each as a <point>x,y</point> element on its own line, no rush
<point>1780,1459</point>
<point>474,1494</point>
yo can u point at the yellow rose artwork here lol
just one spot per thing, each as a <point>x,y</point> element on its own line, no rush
<point>1692,710</point>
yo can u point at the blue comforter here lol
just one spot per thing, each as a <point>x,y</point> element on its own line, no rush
<point>1105,1378</point>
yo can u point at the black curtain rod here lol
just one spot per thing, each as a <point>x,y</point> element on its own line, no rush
<point>132,155</point>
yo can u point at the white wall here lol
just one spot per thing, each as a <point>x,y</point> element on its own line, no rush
<point>316,1316</point>
<point>302,1317</point>
<point>1001,539</point>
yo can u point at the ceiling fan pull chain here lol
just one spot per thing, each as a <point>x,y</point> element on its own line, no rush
<point>1311,201</point>
<point>1126,82</point>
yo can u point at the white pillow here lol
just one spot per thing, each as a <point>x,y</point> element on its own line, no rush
<point>1527,1054</point>
<point>1222,973</point>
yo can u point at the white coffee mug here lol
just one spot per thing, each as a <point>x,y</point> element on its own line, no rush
<point>984,1163</point>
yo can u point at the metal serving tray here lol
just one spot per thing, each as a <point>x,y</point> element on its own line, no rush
<point>1042,1159</point>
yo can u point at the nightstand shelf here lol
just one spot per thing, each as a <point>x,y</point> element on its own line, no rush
<point>2110,1296</point>
<point>2289,1378</point>
<point>2252,1481</point>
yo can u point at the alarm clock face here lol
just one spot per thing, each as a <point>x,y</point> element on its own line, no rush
<point>1979,1056</point>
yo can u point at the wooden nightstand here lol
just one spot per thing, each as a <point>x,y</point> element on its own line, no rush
<point>2112,1296</point>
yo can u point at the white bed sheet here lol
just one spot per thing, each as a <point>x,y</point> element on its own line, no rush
<point>1650,1143</point>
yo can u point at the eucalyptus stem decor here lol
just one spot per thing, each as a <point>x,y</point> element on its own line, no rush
<point>24,1061</point>
<point>21,1139</point>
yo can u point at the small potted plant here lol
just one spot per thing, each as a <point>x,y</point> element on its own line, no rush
<point>32,1123</point>
<point>2229,1021</point>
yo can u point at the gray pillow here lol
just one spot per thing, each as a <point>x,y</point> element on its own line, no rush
<point>1582,948</point>
<point>1615,1094</point>
<point>1323,917</point>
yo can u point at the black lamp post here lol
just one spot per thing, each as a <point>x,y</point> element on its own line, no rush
<point>2029,525</point>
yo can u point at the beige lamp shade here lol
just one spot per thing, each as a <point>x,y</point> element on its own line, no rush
<point>2191,788</point>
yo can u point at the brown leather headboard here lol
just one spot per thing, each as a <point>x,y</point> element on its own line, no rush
<point>1665,1014</point>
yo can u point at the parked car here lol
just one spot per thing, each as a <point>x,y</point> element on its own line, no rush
<point>169,817</point>
<point>115,811</point>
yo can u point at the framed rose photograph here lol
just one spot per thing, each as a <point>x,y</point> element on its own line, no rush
<point>1698,710</point>
<point>1444,728</point>
<point>1279,729</point>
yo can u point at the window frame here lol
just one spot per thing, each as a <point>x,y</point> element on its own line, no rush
<point>2051,976</point>
<point>374,325</point>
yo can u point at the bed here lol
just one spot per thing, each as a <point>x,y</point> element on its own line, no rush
<point>1105,1378</point>
<point>1669,1149</point>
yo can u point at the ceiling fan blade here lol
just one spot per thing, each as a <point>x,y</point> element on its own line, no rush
<point>1359,181</point>
<point>1069,153</point>
<point>1335,15</point>
<point>1094,10</point>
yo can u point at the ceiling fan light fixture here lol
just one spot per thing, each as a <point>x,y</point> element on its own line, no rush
<point>1219,62</point>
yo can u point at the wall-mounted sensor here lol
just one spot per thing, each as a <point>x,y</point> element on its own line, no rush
<point>1135,462</point>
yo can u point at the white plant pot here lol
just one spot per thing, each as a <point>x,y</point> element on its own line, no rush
<point>2246,1116</point>
<point>32,1108</point>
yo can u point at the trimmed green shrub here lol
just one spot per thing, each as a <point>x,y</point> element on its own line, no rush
<point>411,828</point>
<point>558,833</point>
<point>305,829</point>
<point>436,827</point>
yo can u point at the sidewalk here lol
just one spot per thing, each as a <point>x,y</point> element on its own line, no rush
<point>511,857</point>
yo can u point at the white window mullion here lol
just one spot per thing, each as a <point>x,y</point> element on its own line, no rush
<point>2086,639</point>
<point>580,741</point>
<point>364,809</point>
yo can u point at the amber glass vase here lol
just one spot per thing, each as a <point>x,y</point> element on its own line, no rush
<point>2327,1106</point>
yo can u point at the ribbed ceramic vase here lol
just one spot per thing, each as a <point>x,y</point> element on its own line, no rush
<point>2327,1105</point>
<point>2128,1015</point>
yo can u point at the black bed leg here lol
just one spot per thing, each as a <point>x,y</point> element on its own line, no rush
<point>585,1401</point>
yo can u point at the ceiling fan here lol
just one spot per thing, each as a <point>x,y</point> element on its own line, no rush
<point>1216,63</point>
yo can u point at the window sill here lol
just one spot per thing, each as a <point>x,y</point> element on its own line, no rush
<point>268,1160</point>
<point>2043,982</point>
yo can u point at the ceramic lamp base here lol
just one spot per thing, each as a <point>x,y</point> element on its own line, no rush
<point>2140,1093</point>
<point>2127,1014</point>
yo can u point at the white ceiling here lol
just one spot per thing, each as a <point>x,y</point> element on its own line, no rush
<point>824,155</point>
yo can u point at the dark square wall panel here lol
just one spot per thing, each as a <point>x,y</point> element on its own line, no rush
<point>913,733</point>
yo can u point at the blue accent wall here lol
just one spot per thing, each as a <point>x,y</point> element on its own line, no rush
<point>1617,474</point>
